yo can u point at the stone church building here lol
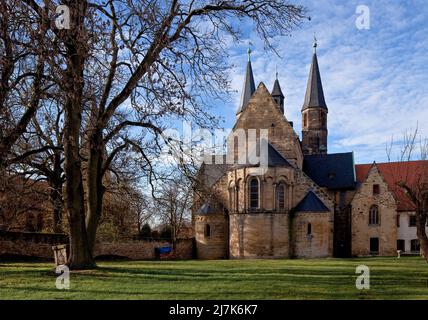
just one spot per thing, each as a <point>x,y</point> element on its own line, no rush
<point>301,202</point>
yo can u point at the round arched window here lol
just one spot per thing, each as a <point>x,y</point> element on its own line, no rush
<point>254,193</point>
<point>280,197</point>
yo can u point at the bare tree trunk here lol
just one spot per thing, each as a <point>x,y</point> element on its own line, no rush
<point>95,186</point>
<point>56,200</point>
<point>80,256</point>
<point>421,220</point>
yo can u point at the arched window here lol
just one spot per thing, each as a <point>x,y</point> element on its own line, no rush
<point>374,215</point>
<point>305,120</point>
<point>207,231</point>
<point>323,118</point>
<point>254,193</point>
<point>280,196</point>
<point>309,229</point>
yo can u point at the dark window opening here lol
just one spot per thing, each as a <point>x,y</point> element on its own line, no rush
<point>401,245</point>
<point>398,220</point>
<point>305,120</point>
<point>412,221</point>
<point>309,229</point>
<point>374,245</point>
<point>376,189</point>
<point>207,231</point>
<point>414,245</point>
<point>323,119</point>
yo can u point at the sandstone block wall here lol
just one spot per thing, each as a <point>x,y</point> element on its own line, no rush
<point>35,245</point>
<point>259,235</point>
<point>214,246</point>
<point>317,244</point>
<point>386,231</point>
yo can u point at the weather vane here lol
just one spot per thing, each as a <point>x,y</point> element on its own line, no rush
<point>315,43</point>
<point>249,50</point>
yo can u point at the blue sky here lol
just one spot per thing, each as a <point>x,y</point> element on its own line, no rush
<point>375,81</point>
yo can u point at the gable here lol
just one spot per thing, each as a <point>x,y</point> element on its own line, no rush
<point>262,112</point>
<point>410,171</point>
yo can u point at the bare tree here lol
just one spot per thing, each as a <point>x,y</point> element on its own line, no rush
<point>23,71</point>
<point>141,64</point>
<point>39,155</point>
<point>412,178</point>
<point>173,202</point>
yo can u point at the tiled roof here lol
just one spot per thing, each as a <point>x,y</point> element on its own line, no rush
<point>414,173</point>
<point>311,203</point>
<point>275,159</point>
<point>333,171</point>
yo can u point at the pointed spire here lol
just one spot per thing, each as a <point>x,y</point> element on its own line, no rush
<point>314,97</point>
<point>276,91</point>
<point>249,85</point>
<point>277,94</point>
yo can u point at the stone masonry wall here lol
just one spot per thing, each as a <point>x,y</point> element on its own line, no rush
<point>317,244</point>
<point>259,235</point>
<point>40,246</point>
<point>386,230</point>
<point>215,245</point>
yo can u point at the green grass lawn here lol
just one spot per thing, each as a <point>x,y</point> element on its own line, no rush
<point>391,278</point>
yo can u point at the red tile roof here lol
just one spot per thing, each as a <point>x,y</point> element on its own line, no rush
<point>414,173</point>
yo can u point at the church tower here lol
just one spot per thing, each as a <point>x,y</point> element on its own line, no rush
<point>249,86</point>
<point>314,112</point>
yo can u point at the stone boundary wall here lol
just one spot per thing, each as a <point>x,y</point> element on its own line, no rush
<point>39,245</point>
<point>144,250</point>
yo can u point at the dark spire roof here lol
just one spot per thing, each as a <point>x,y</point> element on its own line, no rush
<point>276,91</point>
<point>314,97</point>
<point>249,86</point>
<point>311,203</point>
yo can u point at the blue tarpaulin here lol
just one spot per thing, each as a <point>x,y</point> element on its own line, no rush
<point>164,250</point>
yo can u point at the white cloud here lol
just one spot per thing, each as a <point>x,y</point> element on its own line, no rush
<point>375,81</point>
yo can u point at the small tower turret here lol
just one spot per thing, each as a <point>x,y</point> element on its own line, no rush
<point>314,112</point>
<point>277,94</point>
